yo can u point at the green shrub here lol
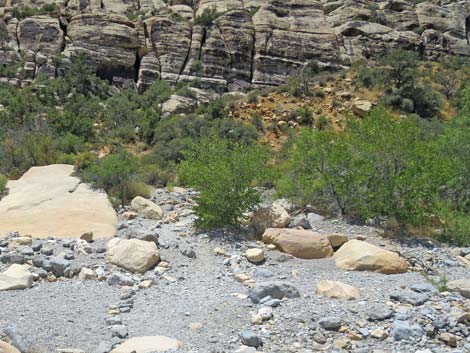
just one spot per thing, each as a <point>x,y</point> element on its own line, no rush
<point>113,173</point>
<point>70,144</point>
<point>256,120</point>
<point>456,226</point>
<point>207,18</point>
<point>22,12</point>
<point>3,184</point>
<point>304,116</point>
<point>377,167</point>
<point>224,173</point>
<point>134,189</point>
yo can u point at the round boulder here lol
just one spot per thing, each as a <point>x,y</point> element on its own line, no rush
<point>132,254</point>
<point>358,255</point>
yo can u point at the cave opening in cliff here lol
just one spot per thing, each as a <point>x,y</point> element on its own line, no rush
<point>115,73</point>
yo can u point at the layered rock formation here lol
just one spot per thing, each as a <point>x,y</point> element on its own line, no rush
<point>238,44</point>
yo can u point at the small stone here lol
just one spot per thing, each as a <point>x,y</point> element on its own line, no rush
<point>119,279</point>
<point>266,313</point>
<point>250,339</point>
<point>330,323</point>
<point>120,331</point>
<point>255,255</point>
<point>353,336</point>
<point>241,277</point>
<point>461,286</point>
<point>219,252</point>
<point>403,330</point>
<point>379,312</point>
<point>87,274</point>
<point>256,319</point>
<point>196,326</point>
<point>146,284</point>
<point>88,237</point>
<point>379,334</point>
<point>130,215</point>
<point>449,339</point>
<point>59,266</point>
<point>337,290</point>
<point>341,343</point>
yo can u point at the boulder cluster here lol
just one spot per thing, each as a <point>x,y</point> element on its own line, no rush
<point>295,282</point>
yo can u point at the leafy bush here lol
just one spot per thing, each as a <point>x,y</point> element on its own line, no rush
<point>20,151</point>
<point>304,116</point>
<point>22,12</point>
<point>224,173</point>
<point>399,75</point>
<point>113,173</point>
<point>207,18</point>
<point>3,184</point>
<point>377,167</point>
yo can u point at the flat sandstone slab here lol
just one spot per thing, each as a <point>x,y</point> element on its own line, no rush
<point>49,201</point>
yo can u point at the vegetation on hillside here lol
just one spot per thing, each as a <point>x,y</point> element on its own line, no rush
<point>405,165</point>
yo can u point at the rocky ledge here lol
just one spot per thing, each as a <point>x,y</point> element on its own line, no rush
<point>241,44</point>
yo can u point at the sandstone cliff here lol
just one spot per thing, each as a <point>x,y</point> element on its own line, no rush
<point>247,42</point>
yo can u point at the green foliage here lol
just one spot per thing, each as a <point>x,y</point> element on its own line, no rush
<point>207,18</point>
<point>3,184</point>
<point>377,167</point>
<point>224,173</point>
<point>21,150</point>
<point>113,173</point>
<point>304,116</point>
<point>400,78</point>
<point>9,71</point>
<point>22,12</point>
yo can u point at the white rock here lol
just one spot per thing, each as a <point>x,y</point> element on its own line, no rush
<point>146,208</point>
<point>16,277</point>
<point>337,290</point>
<point>132,254</point>
<point>255,255</point>
<point>87,274</point>
<point>148,344</point>
<point>273,216</point>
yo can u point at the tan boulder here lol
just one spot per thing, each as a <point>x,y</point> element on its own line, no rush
<point>337,290</point>
<point>255,255</point>
<point>361,107</point>
<point>273,216</point>
<point>87,274</point>
<point>337,240</point>
<point>16,277</point>
<point>303,244</point>
<point>148,344</point>
<point>461,286</point>
<point>147,208</point>
<point>359,255</point>
<point>132,254</point>
<point>7,348</point>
